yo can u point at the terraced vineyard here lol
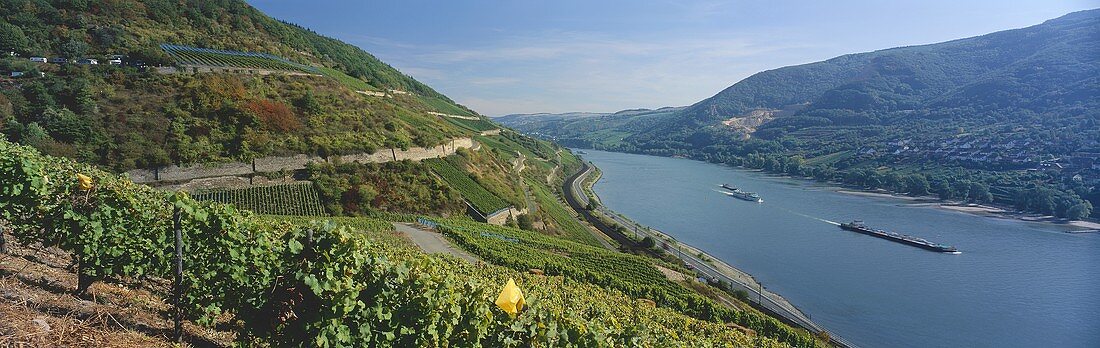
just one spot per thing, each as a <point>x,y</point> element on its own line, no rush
<point>482,200</point>
<point>562,217</point>
<point>509,246</point>
<point>631,274</point>
<point>249,269</point>
<point>476,125</point>
<point>288,199</point>
<point>195,56</point>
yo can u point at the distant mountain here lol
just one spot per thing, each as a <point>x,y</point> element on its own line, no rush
<point>1050,69</point>
<point>1046,77</point>
<point>584,123</point>
<point>1010,101</point>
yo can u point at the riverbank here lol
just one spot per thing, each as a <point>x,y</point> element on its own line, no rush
<point>1078,226</point>
<point>1016,284</point>
<point>702,262</point>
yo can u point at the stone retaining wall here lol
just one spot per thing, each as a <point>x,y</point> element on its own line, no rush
<point>175,173</point>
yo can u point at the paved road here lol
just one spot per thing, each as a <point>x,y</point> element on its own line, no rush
<point>432,242</point>
<point>736,278</point>
<point>577,186</point>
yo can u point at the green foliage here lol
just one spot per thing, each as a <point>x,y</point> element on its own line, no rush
<point>482,200</point>
<point>565,220</point>
<point>525,222</point>
<point>399,187</point>
<point>474,125</point>
<point>150,119</point>
<point>981,110</point>
<point>634,275</point>
<point>291,283</point>
<point>445,106</point>
<point>285,199</point>
<point>12,38</point>
<point>194,56</point>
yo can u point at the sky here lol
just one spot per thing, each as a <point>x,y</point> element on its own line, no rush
<point>504,57</point>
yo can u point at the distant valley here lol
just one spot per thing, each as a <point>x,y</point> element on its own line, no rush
<point>1012,115</point>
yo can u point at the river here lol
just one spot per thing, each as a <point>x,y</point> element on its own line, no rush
<point>1016,284</point>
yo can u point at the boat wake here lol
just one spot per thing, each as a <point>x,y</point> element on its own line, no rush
<point>834,223</point>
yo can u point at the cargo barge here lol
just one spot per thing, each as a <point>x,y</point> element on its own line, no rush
<point>737,193</point>
<point>858,226</point>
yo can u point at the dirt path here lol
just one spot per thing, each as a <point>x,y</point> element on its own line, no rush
<point>518,165</point>
<point>432,242</point>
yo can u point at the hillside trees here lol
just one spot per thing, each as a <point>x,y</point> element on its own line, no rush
<point>398,187</point>
<point>917,185</point>
<point>274,115</point>
<point>12,38</point>
<point>285,283</point>
<point>1052,202</point>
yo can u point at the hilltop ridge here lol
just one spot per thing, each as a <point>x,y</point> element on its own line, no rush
<point>1015,110</point>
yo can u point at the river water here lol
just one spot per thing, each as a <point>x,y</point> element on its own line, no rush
<point>1016,284</point>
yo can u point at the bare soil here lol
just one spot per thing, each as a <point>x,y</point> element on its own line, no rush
<point>38,308</point>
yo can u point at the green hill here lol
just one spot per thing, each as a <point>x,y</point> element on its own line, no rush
<point>125,117</point>
<point>258,88</point>
<point>296,282</point>
<point>237,85</point>
<point>1015,109</point>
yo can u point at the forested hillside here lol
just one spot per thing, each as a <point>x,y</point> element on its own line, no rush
<point>1015,110</point>
<point>118,84</point>
<point>128,116</point>
<point>285,281</point>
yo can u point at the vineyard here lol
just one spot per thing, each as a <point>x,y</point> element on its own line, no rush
<point>475,125</point>
<point>194,56</point>
<point>631,274</point>
<point>563,218</point>
<point>482,200</point>
<point>287,199</point>
<point>282,282</point>
<point>444,106</point>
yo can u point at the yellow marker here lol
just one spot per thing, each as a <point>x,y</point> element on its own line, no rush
<point>85,181</point>
<point>511,298</point>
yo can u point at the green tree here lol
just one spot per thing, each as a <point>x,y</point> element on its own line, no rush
<point>962,189</point>
<point>944,190</point>
<point>894,182</point>
<point>979,193</point>
<point>525,222</point>
<point>592,205</point>
<point>73,49</point>
<point>917,185</point>
<point>1079,211</point>
<point>871,179</point>
<point>12,38</point>
<point>308,104</point>
<point>38,97</point>
<point>65,125</point>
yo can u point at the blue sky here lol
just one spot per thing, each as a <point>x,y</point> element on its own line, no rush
<point>501,57</point>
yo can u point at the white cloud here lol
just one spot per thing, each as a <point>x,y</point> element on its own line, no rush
<point>574,71</point>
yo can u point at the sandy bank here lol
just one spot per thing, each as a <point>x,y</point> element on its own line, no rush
<point>981,210</point>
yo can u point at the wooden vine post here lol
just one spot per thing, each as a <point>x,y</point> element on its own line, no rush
<point>177,286</point>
